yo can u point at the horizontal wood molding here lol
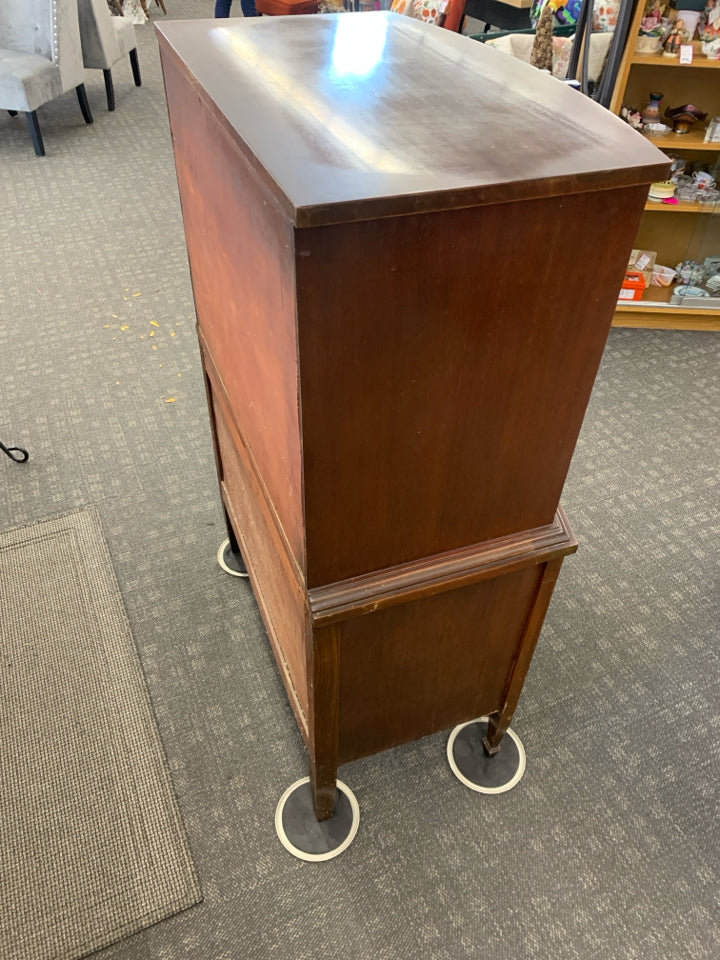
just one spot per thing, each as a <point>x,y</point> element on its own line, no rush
<point>448,571</point>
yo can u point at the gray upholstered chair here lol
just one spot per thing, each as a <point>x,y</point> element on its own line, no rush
<point>106,40</point>
<point>40,58</point>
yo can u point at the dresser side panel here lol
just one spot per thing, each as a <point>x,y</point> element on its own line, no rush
<point>240,247</point>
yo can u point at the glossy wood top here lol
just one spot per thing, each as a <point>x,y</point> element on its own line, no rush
<point>363,115</point>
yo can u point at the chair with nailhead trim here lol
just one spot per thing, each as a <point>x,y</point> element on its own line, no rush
<point>40,59</point>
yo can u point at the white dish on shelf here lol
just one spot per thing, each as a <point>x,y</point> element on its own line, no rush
<point>688,291</point>
<point>656,130</point>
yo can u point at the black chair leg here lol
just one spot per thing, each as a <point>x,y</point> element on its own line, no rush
<point>13,113</point>
<point>34,128</point>
<point>83,101</point>
<point>135,67</point>
<point>109,89</point>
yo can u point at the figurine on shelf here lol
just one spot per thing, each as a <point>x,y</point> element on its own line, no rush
<point>676,37</point>
<point>711,29</point>
<point>653,17</point>
<point>632,116</point>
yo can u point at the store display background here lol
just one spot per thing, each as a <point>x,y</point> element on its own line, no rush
<point>608,848</point>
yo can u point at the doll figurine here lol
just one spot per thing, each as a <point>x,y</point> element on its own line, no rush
<point>676,37</point>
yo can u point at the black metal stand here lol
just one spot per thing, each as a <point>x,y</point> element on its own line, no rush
<point>15,453</point>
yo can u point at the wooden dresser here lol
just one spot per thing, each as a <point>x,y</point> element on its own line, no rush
<point>405,249</point>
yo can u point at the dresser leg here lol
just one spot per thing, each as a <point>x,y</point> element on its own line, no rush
<point>306,837</point>
<point>323,669</point>
<point>229,556</point>
<point>472,765</point>
<point>498,724</point>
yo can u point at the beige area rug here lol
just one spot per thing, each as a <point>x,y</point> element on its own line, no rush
<point>92,847</point>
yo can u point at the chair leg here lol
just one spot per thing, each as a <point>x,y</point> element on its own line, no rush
<point>135,64</point>
<point>83,101</point>
<point>109,89</point>
<point>34,128</point>
<point>13,113</point>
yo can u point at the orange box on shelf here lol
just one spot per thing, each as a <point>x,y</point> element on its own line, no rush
<point>633,286</point>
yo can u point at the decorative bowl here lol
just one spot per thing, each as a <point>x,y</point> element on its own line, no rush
<point>656,129</point>
<point>686,108</point>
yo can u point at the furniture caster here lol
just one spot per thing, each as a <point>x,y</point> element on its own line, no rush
<point>472,766</point>
<point>231,563</point>
<point>306,837</point>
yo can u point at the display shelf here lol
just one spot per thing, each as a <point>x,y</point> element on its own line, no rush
<point>700,61</point>
<point>694,140</point>
<point>655,310</point>
<point>683,206</point>
<point>689,233</point>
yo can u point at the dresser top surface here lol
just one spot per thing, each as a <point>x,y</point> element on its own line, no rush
<point>374,114</point>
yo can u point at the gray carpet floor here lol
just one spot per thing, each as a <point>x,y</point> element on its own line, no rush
<point>608,848</point>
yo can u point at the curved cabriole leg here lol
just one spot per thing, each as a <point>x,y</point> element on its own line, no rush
<point>83,101</point>
<point>109,89</point>
<point>34,128</point>
<point>135,65</point>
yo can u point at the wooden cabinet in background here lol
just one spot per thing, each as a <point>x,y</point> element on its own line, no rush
<point>688,230</point>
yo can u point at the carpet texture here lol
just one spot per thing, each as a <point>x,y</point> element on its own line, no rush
<point>609,848</point>
<point>92,847</point>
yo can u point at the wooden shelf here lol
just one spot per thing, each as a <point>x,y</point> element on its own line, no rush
<point>672,237</point>
<point>700,61</point>
<point>683,206</point>
<point>655,311</point>
<point>694,140</point>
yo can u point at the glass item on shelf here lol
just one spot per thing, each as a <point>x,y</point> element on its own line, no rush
<point>686,189</point>
<point>690,272</point>
<point>684,117</point>
<point>656,130</point>
<point>712,134</point>
<point>652,112</point>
